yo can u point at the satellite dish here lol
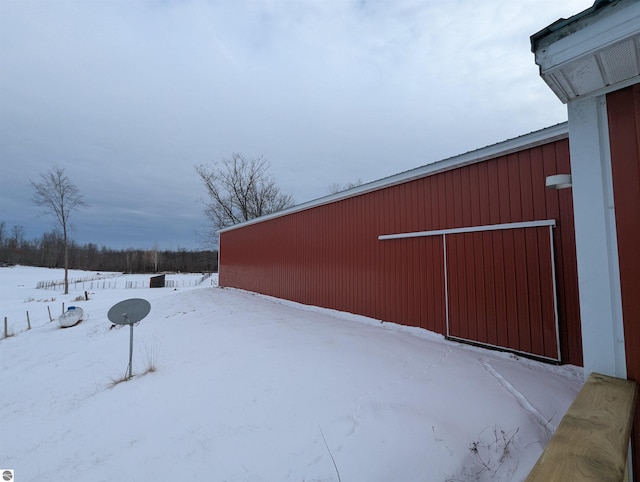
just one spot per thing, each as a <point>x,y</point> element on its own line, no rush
<point>129,311</point>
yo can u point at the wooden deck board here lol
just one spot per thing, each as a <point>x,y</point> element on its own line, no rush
<point>592,440</point>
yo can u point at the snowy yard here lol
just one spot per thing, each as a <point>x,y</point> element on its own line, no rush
<point>251,388</point>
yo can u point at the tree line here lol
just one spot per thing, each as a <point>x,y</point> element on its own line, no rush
<point>49,251</point>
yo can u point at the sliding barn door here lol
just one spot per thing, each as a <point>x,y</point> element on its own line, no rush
<point>500,289</point>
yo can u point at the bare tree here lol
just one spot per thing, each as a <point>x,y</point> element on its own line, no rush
<point>240,189</point>
<point>17,233</point>
<point>57,195</point>
<point>152,256</point>
<point>336,187</point>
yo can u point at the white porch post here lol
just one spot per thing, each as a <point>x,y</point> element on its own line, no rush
<point>596,242</point>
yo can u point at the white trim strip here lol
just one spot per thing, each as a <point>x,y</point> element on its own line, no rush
<point>470,229</point>
<point>555,292</point>
<point>446,284</point>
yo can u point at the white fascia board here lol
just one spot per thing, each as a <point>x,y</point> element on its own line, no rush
<point>527,141</point>
<point>589,35</point>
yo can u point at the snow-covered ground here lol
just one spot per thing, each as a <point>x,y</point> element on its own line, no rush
<point>251,388</point>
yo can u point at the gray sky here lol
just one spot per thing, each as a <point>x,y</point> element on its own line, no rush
<point>128,96</point>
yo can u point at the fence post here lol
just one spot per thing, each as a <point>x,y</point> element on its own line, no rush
<point>5,327</point>
<point>28,321</point>
<point>49,309</point>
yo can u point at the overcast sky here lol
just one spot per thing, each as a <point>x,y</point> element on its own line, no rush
<point>128,96</point>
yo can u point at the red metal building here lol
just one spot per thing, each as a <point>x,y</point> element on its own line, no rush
<point>473,247</point>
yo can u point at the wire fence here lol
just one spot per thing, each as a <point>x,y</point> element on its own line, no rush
<point>59,284</point>
<point>106,282</point>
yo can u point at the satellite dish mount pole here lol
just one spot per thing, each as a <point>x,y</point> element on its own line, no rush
<point>128,321</point>
<point>129,312</point>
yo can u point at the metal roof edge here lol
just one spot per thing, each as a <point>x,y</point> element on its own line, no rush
<point>509,146</point>
<point>559,24</point>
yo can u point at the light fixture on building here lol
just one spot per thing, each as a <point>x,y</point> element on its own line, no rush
<point>559,181</point>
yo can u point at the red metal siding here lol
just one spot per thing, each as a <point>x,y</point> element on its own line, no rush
<point>330,255</point>
<point>623,109</point>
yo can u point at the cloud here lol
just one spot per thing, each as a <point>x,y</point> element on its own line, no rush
<point>129,96</point>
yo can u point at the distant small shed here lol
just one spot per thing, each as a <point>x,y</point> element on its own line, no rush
<point>156,281</point>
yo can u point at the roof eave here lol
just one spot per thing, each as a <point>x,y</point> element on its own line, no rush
<point>591,53</point>
<point>527,141</point>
